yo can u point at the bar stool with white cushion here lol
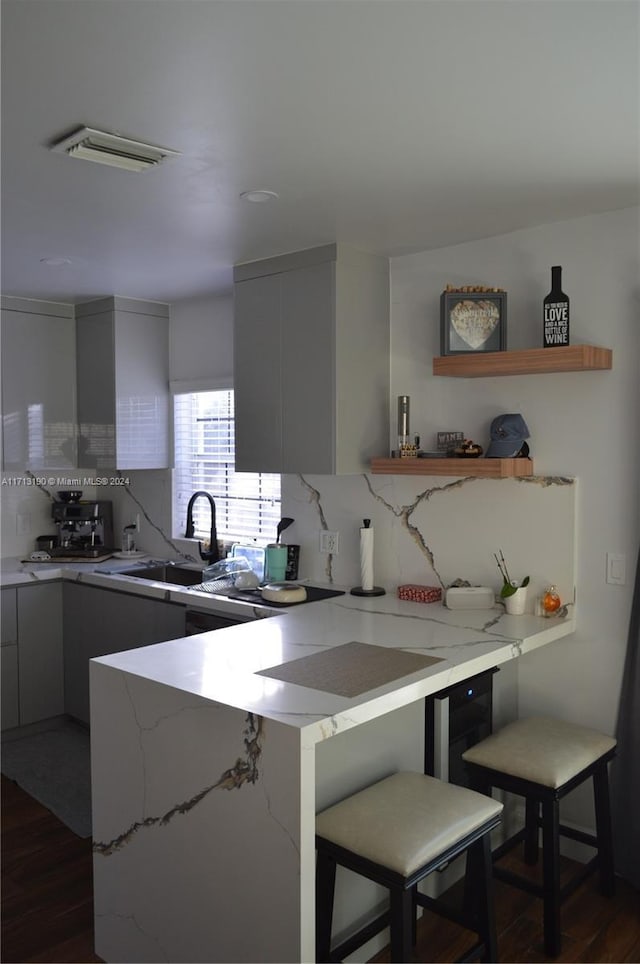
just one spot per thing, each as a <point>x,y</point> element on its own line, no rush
<point>542,760</point>
<point>396,832</point>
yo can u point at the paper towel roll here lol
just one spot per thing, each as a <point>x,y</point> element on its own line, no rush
<point>366,559</point>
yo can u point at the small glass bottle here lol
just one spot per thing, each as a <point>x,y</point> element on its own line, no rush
<point>556,313</point>
<point>550,600</point>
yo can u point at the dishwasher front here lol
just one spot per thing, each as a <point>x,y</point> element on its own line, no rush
<point>201,621</point>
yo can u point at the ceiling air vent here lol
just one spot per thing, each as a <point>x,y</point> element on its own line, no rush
<point>105,148</point>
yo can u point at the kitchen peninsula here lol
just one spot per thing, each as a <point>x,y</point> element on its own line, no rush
<point>208,769</point>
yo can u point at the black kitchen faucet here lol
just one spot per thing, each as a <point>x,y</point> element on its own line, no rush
<point>211,554</point>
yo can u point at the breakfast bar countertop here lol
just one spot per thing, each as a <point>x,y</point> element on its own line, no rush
<point>212,753</point>
<point>237,667</point>
<point>241,667</point>
<point>226,666</point>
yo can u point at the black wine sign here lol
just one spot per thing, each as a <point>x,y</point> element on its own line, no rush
<point>556,312</point>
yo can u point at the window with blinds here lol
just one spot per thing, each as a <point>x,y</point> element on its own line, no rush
<point>247,504</point>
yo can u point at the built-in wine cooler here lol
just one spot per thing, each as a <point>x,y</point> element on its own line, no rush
<point>455,719</point>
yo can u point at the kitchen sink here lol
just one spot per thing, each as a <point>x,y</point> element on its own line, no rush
<point>174,575</point>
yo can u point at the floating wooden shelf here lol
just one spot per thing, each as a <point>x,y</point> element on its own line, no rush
<point>482,468</point>
<point>530,361</point>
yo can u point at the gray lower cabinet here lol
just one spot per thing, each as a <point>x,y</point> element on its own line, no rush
<point>40,659</point>
<point>9,671</point>
<point>9,659</point>
<point>32,662</point>
<point>98,622</point>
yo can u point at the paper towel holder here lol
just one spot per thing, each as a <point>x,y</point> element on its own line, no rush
<point>358,590</point>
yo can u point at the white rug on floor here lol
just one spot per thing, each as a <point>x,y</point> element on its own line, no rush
<point>54,767</point>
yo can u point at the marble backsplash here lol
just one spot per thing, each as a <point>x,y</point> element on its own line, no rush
<point>26,500</point>
<point>432,531</point>
<point>427,530</point>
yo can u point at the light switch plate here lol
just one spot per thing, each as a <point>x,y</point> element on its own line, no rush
<point>616,569</point>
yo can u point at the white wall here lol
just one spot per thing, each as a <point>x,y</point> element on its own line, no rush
<point>581,424</point>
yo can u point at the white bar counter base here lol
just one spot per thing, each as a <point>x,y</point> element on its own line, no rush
<point>204,773</point>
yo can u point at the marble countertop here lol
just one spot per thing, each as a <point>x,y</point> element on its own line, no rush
<point>223,665</point>
<point>111,574</point>
<point>15,572</point>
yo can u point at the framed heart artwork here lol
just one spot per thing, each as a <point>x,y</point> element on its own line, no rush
<point>472,322</point>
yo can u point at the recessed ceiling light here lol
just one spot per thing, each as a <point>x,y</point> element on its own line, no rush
<point>55,262</point>
<point>259,196</point>
<point>103,147</point>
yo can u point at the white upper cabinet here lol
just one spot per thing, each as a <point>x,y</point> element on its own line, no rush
<point>38,385</point>
<point>311,361</point>
<point>123,384</point>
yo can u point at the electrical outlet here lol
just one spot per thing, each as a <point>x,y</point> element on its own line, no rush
<point>329,541</point>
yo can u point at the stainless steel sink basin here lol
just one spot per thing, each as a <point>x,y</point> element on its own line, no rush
<point>173,575</point>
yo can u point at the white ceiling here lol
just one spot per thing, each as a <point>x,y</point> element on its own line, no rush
<point>396,126</point>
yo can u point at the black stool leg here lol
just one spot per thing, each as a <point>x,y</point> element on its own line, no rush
<point>479,887</point>
<point>472,880</point>
<point>479,783</point>
<point>414,915</point>
<point>402,911</point>
<point>551,875</point>
<point>604,831</point>
<point>325,888</point>
<point>532,810</point>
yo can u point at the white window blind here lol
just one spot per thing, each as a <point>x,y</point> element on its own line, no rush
<point>247,504</point>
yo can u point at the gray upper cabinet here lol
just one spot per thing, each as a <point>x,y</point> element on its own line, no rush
<point>38,385</point>
<point>123,384</point>
<point>311,361</point>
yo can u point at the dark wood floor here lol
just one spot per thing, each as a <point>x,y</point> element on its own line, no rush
<point>47,904</point>
<point>47,887</point>
<point>594,928</point>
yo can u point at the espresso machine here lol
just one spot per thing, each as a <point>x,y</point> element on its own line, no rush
<point>85,529</point>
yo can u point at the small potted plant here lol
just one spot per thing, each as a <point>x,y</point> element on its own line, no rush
<point>513,593</point>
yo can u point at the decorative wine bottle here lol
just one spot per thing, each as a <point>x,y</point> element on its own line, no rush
<point>556,312</point>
